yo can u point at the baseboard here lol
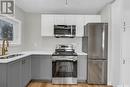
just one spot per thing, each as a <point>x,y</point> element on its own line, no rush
<point>49,80</point>
<point>41,80</point>
<point>122,86</point>
<point>28,83</point>
<point>81,81</point>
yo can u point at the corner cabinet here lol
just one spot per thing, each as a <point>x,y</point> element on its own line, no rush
<point>49,20</point>
<point>11,29</point>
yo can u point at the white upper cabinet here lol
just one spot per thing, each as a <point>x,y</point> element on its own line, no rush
<point>70,19</point>
<point>59,19</point>
<point>48,22</point>
<point>92,19</point>
<point>79,25</point>
<point>64,19</point>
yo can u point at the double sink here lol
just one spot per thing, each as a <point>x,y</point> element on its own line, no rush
<point>10,56</point>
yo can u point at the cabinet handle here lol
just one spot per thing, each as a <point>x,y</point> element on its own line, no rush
<point>24,61</point>
<point>124,27</point>
<point>123,61</point>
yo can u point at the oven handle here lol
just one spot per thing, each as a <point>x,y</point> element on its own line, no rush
<point>65,59</point>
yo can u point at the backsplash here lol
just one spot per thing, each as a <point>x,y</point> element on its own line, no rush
<point>49,43</point>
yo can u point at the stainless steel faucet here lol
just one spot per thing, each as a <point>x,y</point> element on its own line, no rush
<point>5,46</point>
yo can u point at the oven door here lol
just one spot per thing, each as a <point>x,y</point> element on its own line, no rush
<point>64,68</point>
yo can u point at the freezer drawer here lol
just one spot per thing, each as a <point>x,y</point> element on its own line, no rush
<point>97,72</point>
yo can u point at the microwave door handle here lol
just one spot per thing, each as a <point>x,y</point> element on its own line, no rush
<point>71,30</point>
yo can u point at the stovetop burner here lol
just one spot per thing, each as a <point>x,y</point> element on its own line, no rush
<point>64,54</point>
<point>64,50</point>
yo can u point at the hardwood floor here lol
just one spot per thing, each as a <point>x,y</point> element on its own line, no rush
<point>43,84</point>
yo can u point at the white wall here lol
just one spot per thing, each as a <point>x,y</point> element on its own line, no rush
<point>34,40</point>
<point>113,15</point>
<point>19,14</point>
<point>125,75</point>
<point>116,17</point>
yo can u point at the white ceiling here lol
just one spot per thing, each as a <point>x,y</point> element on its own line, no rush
<point>59,6</point>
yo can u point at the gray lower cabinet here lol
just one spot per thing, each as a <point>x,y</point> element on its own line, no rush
<point>3,75</point>
<point>26,71</point>
<point>82,68</point>
<point>41,67</point>
<point>16,73</point>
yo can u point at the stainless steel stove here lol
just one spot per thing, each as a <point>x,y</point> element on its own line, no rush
<point>64,65</point>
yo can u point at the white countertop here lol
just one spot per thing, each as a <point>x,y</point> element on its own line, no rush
<point>14,58</point>
<point>81,53</point>
<point>28,53</point>
<point>48,52</point>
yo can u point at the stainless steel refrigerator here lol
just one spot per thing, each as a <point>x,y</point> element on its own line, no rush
<point>95,44</point>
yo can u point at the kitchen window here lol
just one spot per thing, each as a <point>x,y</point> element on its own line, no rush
<point>6,30</point>
<point>10,29</point>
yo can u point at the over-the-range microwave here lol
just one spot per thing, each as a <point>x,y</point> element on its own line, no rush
<point>64,31</point>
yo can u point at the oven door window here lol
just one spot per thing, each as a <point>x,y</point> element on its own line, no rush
<point>64,68</point>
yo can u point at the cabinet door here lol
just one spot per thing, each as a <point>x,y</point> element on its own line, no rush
<point>82,68</point>
<point>47,25</point>
<point>14,74</point>
<point>26,71</point>
<point>92,19</point>
<point>79,25</point>
<point>70,19</point>
<point>59,19</point>
<point>41,67</point>
<point>3,76</point>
